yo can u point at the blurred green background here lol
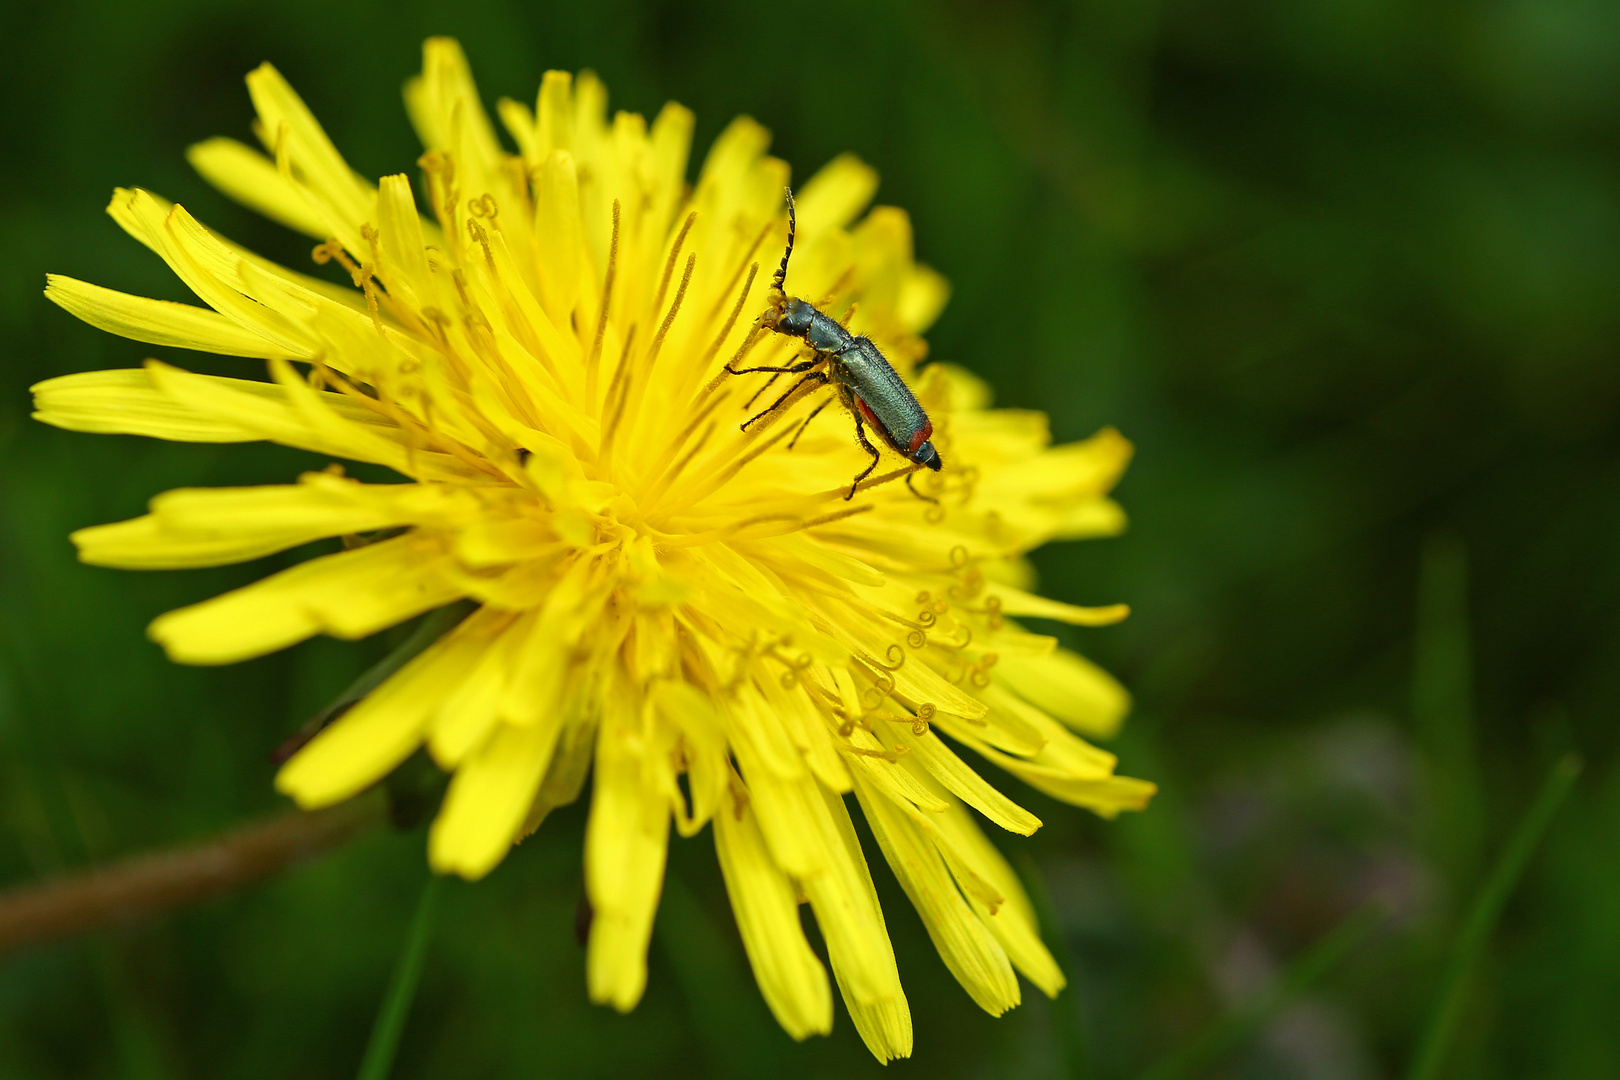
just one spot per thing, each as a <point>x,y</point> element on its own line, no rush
<point>1346,272</point>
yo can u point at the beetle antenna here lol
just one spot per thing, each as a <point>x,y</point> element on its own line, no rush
<point>780,279</point>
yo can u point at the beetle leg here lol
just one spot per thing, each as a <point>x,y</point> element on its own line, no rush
<point>820,376</point>
<point>860,434</point>
<point>763,387</point>
<point>807,420</point>
<point>914,491</point>
<point>792,370</point>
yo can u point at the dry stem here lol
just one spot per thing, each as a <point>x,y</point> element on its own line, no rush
<point>147,885</point>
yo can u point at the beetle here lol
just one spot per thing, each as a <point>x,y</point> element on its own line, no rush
<point>866,383</point>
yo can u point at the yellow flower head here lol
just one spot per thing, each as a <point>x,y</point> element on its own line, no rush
<point>658,593</point>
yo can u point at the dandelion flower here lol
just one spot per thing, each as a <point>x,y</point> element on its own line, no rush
<point>691,615</point>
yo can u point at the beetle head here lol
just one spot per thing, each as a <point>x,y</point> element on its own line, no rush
<point>794,317</point>
<point>927,455</point>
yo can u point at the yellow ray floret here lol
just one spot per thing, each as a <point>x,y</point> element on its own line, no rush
<point>693,613</point>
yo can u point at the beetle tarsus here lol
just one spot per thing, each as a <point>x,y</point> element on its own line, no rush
<point>914,491</point>
<point>812,416</point>
<point>860,434</point>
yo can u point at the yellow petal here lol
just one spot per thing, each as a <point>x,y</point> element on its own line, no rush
<point>789,974</point>
<point>731,159</point>
<point>809,835</point>
<point>807,728</point>
<point>703,744</point>
<point>404,267</point>
<point>1013,921</point>
<point>1001,727</point>
<point>214,526</point>
<point>448,114</point>
<point>252,179</point>
<point>267,410</point>
<point>782,808</point>
<point>463,720</point>
<point>518,120</point>
<point>851,923</point>
<point>488,798</point>
<point>386,726</point>
<point>884,1026</point>
<point>923,295</point>
<point>883,243</point>
<point>880,768</point>
<point>928,752</point>
<point>348,595</point>
<point>289,128</point>
<point>1070,687</point>
<point>570,765</point>
<point>1018,602</point>
<point>208,267</point>
<point>554,114</point>
<point>124,402</point>
<point>559,232</point>
<point>540,669</point>
<point>1086,519</point>
<point>671,146</point>
<point>751,725</point>
<point>144,544</point>
<point>1092,466</point>
<point>1105,795</point>
<point>626,840</point>
<point>968,394</point>
<point>915,682</point>
<point>969,950</point>
<point>847,909</point>
<point>156,322</point>
<point>836,194</point>
<point>1050,739</point>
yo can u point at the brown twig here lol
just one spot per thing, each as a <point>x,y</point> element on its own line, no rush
<point>145,885</point>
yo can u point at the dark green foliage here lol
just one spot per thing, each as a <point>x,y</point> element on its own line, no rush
<point>1345,272</point>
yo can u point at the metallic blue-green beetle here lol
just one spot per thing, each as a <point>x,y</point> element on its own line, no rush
<point>866,383</point>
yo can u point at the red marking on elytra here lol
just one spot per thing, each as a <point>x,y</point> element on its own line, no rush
<point>871,418</point>
<point>922,436</point>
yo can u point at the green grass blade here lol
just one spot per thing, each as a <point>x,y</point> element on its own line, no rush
<point>379,1059</point>
<point>1482,916</point>
<point>1238,1026</point>
<point>1443,716</point>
